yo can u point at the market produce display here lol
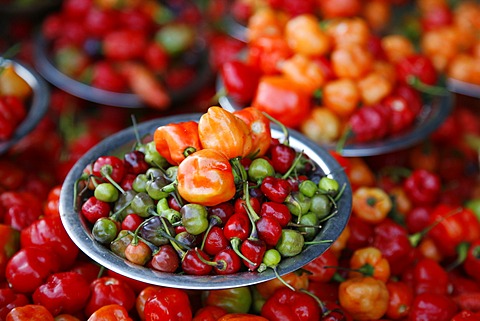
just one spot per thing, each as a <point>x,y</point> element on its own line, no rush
<point>182,194</point>
<point>410,248</point>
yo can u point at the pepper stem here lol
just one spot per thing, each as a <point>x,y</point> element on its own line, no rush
<point>235,242</point>
<point>286,134</point>
<point>294,165</point>
<point>106,170</point>
<point>416,83</point>
<point>220,264</point>
<point>342,141</point>
<point>462,250</point>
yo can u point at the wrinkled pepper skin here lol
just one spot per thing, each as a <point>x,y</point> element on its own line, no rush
<point>175,141</point>
<point>221,130</point>
<point>206,178</point>
<point>259,127</point>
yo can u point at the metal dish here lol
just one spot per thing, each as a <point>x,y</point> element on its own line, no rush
<point>463,88</point>
<point>49,71</point>
<point>78,229</point>
<point>38,102</point>
<point>432,115</point>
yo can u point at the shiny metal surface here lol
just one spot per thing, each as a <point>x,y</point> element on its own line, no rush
<point>38,103</point>
<point>80,233</point>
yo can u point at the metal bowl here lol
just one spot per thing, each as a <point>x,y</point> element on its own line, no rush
<point>50,72</point>
<point>432,115</point>
<point>463,88</point>
<point>38,103</point>
<point>117,144</point>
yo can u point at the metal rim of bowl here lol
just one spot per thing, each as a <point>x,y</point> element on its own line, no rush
<point>463,88</point>
<point>39,102</point>
<point>431,117</point>
<point>48,70</point>
<point>81,236</point>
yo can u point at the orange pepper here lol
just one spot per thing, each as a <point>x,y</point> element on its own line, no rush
<point>31,312</point>
<point>11,84</point>
<point>111,312</point>
<point>175,141</point>
<point>297,279</point>
<point>365,298</point>
<point>369,261</point>
<point>259,129</point>
<point>322,126</point>
<point>206,178</point>
<point>265,21</point>
<point>221,130</point>
<point>372,204</point>
<point>241,317</point>
<point>305,35</point>
<point>341,242</point>
<point>304,72</point>
<point>66,317</point>
<point>341,96</point>
<point>359,174</point>
<point>283,100</point>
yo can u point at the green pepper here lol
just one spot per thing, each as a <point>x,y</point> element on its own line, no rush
<point>290,243</point>
<point>233,300</point>
<point>194,218</point>
<point>308,188</point>
<point>104,230</point>
<point>142,204</point>
<point>328,185</point>
<point>474,205</point>
<point>153,157</point>
<point>120,243</point>
<point>175,38</point>
<point>154,188</point>
<point>298,203</point>
<point>309,226</point>
<point>106,192</point>
<point>321,205</point>
<point>139,184</point>
<point>259,169</point>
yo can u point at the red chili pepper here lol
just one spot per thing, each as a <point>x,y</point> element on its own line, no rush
<point>369,123</point>
<point>266,52</point>
<point>228,262</point>
<point>321,267</point>
<point>422,187</point>
<point>275,189</point>
<point>124,44</point>
<point>135,162</point>
<point>240,80</point>
<point>269,230</point>
<point>286,304</point>
<point>401,115</point>
<point>393,241</point>
<point>22,208</point>
<point>31,312</point>
<point>93,209</point>
<point>30,267</point>
<point>238,226</point>
<point>471,265</point>
<point>432,306</point>
<point>168,304</point>
<point>281,157</point>
<point>400,300</point>
<point>416,66</point>
<point>176,141</point>
<point>253,250</point>
<point>49,232</point>
<point>109,290</point>
<point>279,211</point>
<point>430,277</point>
<point>466,316</point>
<point>64,292</point>
<point>360,233</point>
<point>468,301</point>
<point>209,313</point>
<point>215,241</point>
<point>455,225</point>
<point>9,300</point>
<point>281,99</point>
<point>193,265</point>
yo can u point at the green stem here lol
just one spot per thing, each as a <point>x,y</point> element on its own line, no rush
<point>416,83</point>
<point>294,165</point>
<point>106,170</point>
<point>286,134</point>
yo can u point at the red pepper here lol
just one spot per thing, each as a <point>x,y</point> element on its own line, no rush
<point>240,80</point>
<point>64,292</point>
<point>416,66</point>
<point>168,304</point>
<point>176,141</point>
<point>370,123</point>
<point>275,189</point>
<point>320,268</point>
<point>266,53</point>
<point>9,300</point>
<point>108,290</point>
<point>209,313</point>
<point>124,44</point>
<point>401,115</point>
<point>281,99</point>
<point>110,312</point>
<point>455,225</point>
<point>279,211</point>
<point>288,305</point>
<point>22,208</point>
<point>432,306</point>
<point>471,265</point>
<point>422,187</point>
<point>253,250</point>
<point>466,315</point>
<point>31,312</point>
<point>400,300</point>
<point>430,277</point>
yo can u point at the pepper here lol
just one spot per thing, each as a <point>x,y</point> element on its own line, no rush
<point>259,129</point>
<point>305,35</point>
<point>303,72</point>
<point>221,130</point>
<point>365,298</point>
<point>177,140</point>
<point>372,204</point>
<point>32,312</point>
<point>241,317</point>
<point>319,267</point>
<point>288,305</point>
<point>266,53</point>
<point>471,265</point>
<point>432,306</point>
<point>297,279</point>
<point>400,300</point>
<point>109,290</point>
<point>232,300</point>
<point>168,304</point>
<point>369,261</point>
<point>283,100</point>
<point>422,187</point>
<point>206,178</point>
<point>110,312</point>
<point>240,80</point>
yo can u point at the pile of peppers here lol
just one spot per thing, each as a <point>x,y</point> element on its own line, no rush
<point>217,196</point>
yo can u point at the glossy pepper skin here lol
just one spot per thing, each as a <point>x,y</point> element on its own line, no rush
<point>471,265</point>
<point>221,130</point>
<point>206,178</point>
<point>278,97</point>
<point>369,261</point>
<point>175,141</point>
<point>259,129</point>
<point>288,305</point>
<point>168,304</point>
<point>108,290</point>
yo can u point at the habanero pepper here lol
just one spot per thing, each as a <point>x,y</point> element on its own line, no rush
<point>110,312</point>
<point>259,129</point>
<point>206,178</point>
<point>369,261</point>
<point>221,130</point>
<point>286,304</point>
<point>283,100</point>
<point>422,187</point>
<point>176,141</point>
<point>303,72</point>
<point>267,52</point>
